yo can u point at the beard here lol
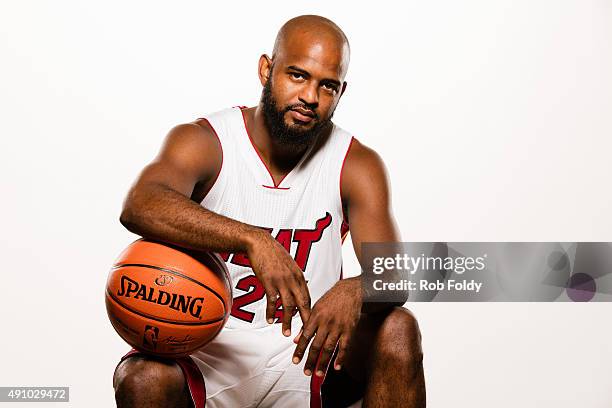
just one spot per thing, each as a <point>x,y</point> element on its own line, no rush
<point>294,137</point>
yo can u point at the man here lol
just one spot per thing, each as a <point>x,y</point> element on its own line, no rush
<point>272,188</point>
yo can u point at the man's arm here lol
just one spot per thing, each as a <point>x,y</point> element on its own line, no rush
<point>366,199</point>
<point>158,207</point>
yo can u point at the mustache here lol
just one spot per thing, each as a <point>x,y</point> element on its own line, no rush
<point>304,107</point>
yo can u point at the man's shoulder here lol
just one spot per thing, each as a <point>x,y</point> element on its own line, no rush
<point>363,169</point>
<point>356,151</point>
<point>362,154</point>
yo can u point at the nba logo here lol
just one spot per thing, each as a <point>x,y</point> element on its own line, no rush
<point>149,339</point>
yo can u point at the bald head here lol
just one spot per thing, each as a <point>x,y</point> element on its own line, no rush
<point>314,35</point>
<point>303,80</point>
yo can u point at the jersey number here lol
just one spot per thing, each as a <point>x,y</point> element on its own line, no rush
<point>255,292</point>
<point>305,238</point>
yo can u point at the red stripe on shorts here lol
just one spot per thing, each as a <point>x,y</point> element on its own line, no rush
<point>316,382</point>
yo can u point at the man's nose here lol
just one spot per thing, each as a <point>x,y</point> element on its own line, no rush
<point>309,95</point>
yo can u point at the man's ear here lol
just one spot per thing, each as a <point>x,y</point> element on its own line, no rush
<point>265,69</point>
<point>344,84</point>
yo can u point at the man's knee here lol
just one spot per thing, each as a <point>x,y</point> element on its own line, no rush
<point>140,380</point>
<point>399,338</point>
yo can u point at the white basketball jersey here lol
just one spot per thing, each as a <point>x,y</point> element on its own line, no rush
<point>303,212</point>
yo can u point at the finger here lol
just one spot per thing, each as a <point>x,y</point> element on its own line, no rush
<point>306,336</point>
<point>297,338</point>
<point>314,351</point>
<point>288,308</point>
<point>342,347</point>
<point>326,353</point>
<point>302,297</point>
<point>271,297</point>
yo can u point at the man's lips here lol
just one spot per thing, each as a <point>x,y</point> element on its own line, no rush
<point>302,115</point>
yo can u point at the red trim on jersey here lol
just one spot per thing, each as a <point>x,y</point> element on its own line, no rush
<point>276,188</point>
<point>221,147</point>
<point>259,155</point>
<point>193,377</point>
<point>344,229</point>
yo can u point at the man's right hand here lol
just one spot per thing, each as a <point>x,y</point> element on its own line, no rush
<point>280,276</point>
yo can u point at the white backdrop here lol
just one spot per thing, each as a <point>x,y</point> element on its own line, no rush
<point>494,119</point>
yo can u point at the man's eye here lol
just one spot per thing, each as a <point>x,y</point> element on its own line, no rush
<point>296,75</point>
<point>330,87</point>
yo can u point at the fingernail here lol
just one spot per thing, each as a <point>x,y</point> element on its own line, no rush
<point>307,372</point>
<point>270,321</point>
<point>337,366</point>
<point>320,373</point>
<point>296,360</point>
<point>287,332</point>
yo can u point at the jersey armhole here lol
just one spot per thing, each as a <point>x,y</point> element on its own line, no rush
<point>344,229</point>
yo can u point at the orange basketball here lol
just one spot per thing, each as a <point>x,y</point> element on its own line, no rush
<point>165,300</point>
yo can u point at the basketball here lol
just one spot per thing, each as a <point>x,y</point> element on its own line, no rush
<point>165,300</point>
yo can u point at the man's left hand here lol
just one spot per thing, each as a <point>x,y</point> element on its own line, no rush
<point>332,321</point>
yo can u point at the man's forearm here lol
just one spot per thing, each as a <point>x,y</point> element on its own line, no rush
<point>160,213</point>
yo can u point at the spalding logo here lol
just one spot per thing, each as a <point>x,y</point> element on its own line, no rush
<point>181,303</point>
